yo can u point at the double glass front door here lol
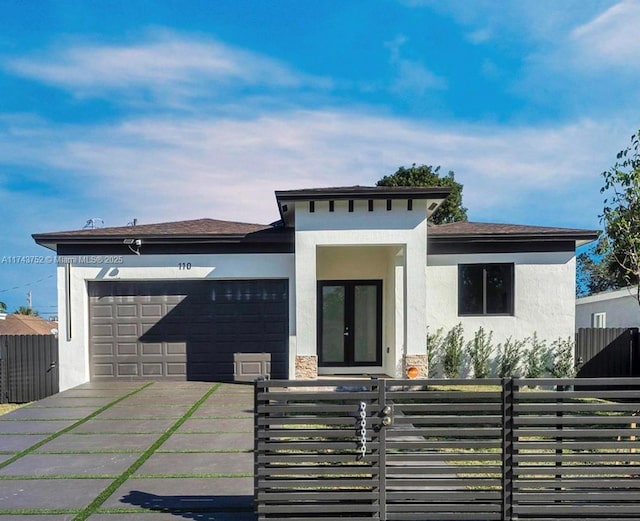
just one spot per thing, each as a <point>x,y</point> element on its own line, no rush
<point>350,323</point>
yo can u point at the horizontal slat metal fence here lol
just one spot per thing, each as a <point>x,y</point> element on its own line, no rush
<point>454,450</point>
<point>28,367</point>
<point>576,453</point>
<point>443,450</point>
<point>309,463</point>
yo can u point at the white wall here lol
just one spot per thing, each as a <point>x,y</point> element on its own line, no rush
<point>74,352</point>
<point>400,229</point>
<point>544,296</point>
<point>621,307</point>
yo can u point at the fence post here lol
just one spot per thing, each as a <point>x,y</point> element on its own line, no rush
<point>256,451</point>
<point>3,364</point>
<point>382,450</point>
<point>507,449</point>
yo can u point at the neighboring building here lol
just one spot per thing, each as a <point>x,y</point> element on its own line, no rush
<point>347,282</point>
<point>616,308</point>
<point>26,325</point>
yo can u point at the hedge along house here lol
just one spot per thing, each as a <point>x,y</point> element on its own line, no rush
<point>347,282</point>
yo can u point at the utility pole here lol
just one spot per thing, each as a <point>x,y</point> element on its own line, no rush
<point>29,300</point>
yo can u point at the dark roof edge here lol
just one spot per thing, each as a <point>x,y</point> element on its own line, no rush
<point>362,193</point>
<point>577,235</point>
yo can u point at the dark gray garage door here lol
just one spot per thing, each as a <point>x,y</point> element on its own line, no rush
<point>187,330</point>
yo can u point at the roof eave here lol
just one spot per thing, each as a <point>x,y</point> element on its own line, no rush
<point>583,238</point>
<point>364,193</point>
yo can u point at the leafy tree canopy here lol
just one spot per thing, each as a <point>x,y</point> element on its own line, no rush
<point>451,209</point>
<point>3,307</point>
<point>24,310</point>
<point>615,262</point>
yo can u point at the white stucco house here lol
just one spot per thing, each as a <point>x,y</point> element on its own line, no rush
<point>346,282</point>
<point>616,308</point>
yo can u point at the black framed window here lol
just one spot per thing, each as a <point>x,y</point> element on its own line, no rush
<point>485,289</point>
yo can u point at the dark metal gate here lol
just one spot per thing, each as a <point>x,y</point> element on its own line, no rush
<point>447,450</point>
<point>28,367</point>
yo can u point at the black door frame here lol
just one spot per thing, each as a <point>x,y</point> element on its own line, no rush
<point>349,312</point>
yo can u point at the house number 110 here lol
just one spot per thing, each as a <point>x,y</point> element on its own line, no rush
<point>184,265</point>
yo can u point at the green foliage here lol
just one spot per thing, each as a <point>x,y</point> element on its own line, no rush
<point>434,351</point>
<point>561,364</point>
<point>24,310</point>
<point>480,349</point>
<point>452,352</point>
<point>596,273</point>
<point>451,209</point>
<point>509,357</point>
<point>3,307</point>
<point>619,247</point>
<point>536,357</point>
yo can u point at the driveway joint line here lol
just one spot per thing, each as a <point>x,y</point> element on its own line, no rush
<point>79,422</point>
<point>99,500</point>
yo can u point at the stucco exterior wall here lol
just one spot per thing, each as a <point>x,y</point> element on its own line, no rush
<point>620,306</point>
<point>397,230</point>
<point>74,351</point>
<point>544,296</point>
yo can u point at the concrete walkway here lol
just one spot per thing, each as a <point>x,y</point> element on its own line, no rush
<point>139,451</point>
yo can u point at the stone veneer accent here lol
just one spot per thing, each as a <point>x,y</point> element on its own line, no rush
<point>306,367</point>
<point>420,361</point>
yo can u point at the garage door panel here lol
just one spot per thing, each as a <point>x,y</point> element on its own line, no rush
<point>126,349</point>
<point>188,329</point>
<point>151,310</point>
<point>152,349</point>
<point>127,369</point>
<point>126,329</point>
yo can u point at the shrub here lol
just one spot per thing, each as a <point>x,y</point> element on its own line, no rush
<point>561,358</point>
<point>434,351</point>
<point>480,349</point>
<point>509,357</point>
<point>536,357</point>
<point>452,347</point>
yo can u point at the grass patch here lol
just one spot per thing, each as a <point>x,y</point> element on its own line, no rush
<point>102,497</point>
<point>55,435</point>
<point>200,475</point>
<point>32,477</point>
<point>96,451</point>
<point>8,407</point>
<point>177,511</point>
<point>37,511</point>
<point>204,451</point>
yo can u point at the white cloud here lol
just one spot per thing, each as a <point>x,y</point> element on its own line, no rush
<point>159,168</point>
<point>166,65</point>
<point>610,39</point>
<point>411,76</point>
<point>539,20</point>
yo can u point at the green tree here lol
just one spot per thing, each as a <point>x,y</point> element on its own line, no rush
<point>620,243</point>
<point>24,310</point>
<point>3,307</point>
<point>451,210</point>
<point>596,272</point>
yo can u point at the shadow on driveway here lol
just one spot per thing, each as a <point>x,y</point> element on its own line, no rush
<point>202,508</point>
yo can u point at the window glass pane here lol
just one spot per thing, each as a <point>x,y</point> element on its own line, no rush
<point>333,324</point>
<point>365,324</point>
<point>499,288</point>
<point>470,290</point>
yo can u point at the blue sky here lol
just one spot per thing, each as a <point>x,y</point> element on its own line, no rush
<point>162,110</point>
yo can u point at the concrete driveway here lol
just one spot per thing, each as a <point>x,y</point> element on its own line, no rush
<point>135,451</point>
